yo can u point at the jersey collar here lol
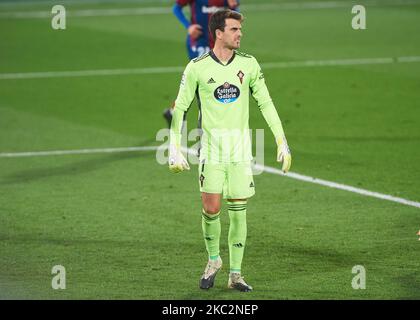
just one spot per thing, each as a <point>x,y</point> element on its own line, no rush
<point>218,61</point>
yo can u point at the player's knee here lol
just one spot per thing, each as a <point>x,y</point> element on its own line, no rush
<point>212,209</point>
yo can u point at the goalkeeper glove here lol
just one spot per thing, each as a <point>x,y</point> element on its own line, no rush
<point>177,162</point>
<point>283,154</point>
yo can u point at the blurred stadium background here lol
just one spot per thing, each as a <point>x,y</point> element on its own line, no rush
<point>349,102</point>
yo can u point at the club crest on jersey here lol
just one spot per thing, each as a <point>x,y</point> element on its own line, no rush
<point>227,93</point>
<point>240,76</point>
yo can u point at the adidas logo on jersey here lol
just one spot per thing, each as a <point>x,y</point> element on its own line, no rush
<point>211,80</point>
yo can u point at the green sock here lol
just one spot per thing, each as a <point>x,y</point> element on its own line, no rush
<point>237,234</point>
<point>211,233</point>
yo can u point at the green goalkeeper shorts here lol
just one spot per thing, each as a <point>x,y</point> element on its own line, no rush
<point>233,180</point>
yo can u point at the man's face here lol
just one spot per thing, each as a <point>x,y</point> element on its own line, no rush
<point>231,37</point>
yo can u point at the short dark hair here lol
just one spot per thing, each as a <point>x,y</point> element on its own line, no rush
<point>218,20</point>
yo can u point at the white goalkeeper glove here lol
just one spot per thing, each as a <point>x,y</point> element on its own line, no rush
<point>177,162</point>
<point>283,154</point>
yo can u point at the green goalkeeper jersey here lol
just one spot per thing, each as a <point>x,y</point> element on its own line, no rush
<point>223,92</point>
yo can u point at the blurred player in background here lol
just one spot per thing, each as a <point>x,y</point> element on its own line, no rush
<point>199,39</point>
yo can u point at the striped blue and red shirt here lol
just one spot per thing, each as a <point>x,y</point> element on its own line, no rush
<point>201,11</point>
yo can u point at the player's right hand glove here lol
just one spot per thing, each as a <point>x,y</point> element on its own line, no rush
<point>177,162</point>
<point>283,154</point>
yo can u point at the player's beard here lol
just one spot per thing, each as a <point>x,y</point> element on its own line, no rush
<point>235,44</point>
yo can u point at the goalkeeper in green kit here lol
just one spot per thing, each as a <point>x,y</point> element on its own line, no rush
<point>222,81</point>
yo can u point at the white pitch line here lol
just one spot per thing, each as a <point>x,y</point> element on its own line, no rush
<point>79,151</point>
<point>326,183</point>
<point>324,5</point>
<point>89,73</point>
<point>193,152</point>
<point>79,2</point>
<point>339,186</point>
<point>178,69</point>
<point>88,13</point>
<point>167,9</point>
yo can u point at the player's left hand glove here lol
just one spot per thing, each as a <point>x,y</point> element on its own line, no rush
<point>283,154</point>
<point>177,162</point>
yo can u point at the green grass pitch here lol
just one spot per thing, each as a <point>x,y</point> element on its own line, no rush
<point>124,227</point>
